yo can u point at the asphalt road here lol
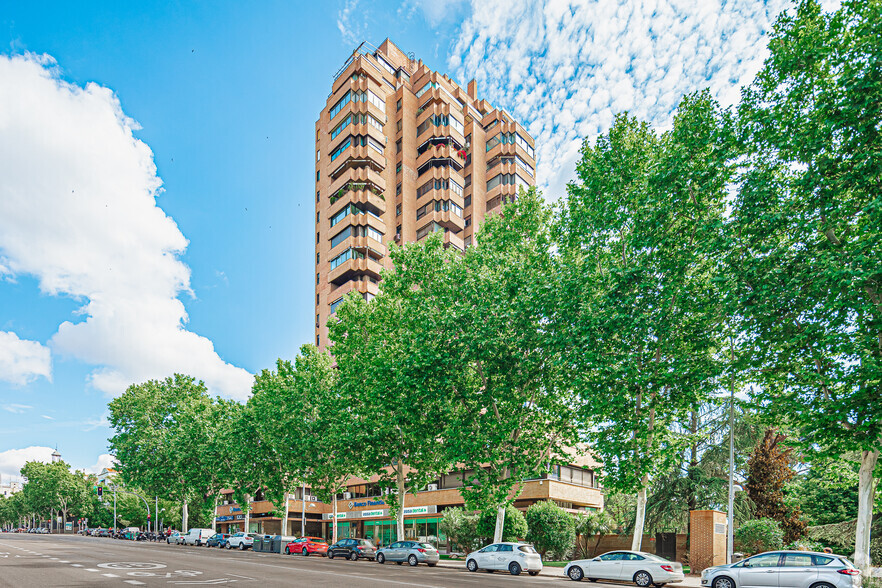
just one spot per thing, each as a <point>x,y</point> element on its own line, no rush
<point>70,560</point>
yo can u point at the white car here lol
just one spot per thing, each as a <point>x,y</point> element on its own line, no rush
<point>627,566</point>
<point>785,569</point>
<point>514,557</point>
<point>241,541</point>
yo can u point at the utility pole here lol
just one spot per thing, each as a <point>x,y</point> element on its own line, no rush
<point>114,509</point>
<point>156,517</point>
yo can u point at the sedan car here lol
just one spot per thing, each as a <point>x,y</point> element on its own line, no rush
<point>785,569</point>
<point>354,549</point>
<point>627,566</point>
<point>217,540</point>
<point>175,538</point>
<point>514,557</point>
<point>412,552</point>
<point>307,546</point>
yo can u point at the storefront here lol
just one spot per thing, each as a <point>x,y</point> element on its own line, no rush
<point>421,523</point>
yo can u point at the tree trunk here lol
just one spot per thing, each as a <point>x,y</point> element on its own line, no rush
<point>247,508</point>
<point>185,518</point>
<point>641,515</point>
<point>213,516</point>
<point>866,491</point>
<point>284,531</point>
<point>334,532</point>
<point>400,479</point>
<point>500,524</point>
<point>64,520</point>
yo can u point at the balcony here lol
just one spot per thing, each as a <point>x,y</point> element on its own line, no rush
<point>353,267</point>
<point>440,148</point>
<point>358,169</point>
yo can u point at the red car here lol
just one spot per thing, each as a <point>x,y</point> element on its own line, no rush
<point>307,546</point>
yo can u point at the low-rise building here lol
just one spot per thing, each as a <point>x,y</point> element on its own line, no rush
<point>362,510</point>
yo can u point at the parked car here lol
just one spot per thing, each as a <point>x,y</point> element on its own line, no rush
<point>412,552</point>
<point>175,538</point>
<point>217,540</point>
<point>307,546</point>
<point>354,549</point>
<point>44,531</point>
<point>241,541</point>
<point>787,569</point>
<point>642,568</point>
<point>197,536</point>
<point>514,557</point>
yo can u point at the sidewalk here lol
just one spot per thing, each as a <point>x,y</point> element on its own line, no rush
<point>689,582</point>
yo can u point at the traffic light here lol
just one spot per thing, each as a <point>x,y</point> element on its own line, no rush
<point>100,491</point>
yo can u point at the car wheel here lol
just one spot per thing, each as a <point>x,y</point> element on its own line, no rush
<point>381,559</point>
<point>514,568</point>
<point>304,553</point>
<point>228,546</point>
<point>533,573</point>
<point>723,582</point>
<point>287,551</point>
<point>472,566</point>
<point>642,579</point>
<point>330,555</point>
<point>242,547</point>
<point>353,556</point>
<point>412,560</point>
<point>575,573</point>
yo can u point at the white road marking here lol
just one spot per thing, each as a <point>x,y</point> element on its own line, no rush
<point>110,575</point>
<point>92,569</point>
<point>63,561</point>
<point>134,582</point>
<point>76,565</point>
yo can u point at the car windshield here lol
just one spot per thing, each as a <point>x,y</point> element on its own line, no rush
<point>527,549</point>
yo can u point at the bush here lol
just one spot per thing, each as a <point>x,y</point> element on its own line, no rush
<point>759,535</point>
<point>515,526</point>
<point>806,545</point>
<point>551,529</point>
<point>461,528</point>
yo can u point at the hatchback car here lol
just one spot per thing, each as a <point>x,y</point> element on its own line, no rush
<point>412,552</point>
<point>785,569</point>
<point>175,538</point>
<point>241,540</point>
<point>514,557</point>
<point>217,540</point>
<point>354,549</point>
<point>627,566</point>
<point>307,546</point>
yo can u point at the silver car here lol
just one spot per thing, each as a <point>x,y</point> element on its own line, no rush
<point>785,569</point>
<point>514,557</point>
<point>412,552</point>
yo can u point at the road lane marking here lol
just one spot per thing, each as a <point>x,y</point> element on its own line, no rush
<point>134,582</point>
<point>110,575</point>
<point>92,569</point>
<point>63,561</point>
<point>309,571</point>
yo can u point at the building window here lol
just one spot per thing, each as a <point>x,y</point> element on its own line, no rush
<point>398,126</point>
<point>346,256</point>
<point>341,148</point>
<point>318,196</point>
<point>318,175</point>
<point>398,168</point>
<point>316,299</point>
<point>467,200</point>
<point>317,341</point>
<point>317,237</point>
<point>317,279</point>
<point>335,304</point>
<point>317,323</point>
<point>398,211</point>
<point>467,241</point>
<point>468,180</point>
<point>317,258</point>
<point>505,180</point>
<point>398,146</point>
<point>318,216</point>
<point>398,190</point>
<point>336,108</point>
<point>398,104</point>
<point>468,221</point>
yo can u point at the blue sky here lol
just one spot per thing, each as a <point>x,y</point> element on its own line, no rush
<point>156,167</point>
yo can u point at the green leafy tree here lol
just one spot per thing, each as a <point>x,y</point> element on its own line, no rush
<point>391,358</point>
<point>515,413</point>
<point>164,433</point>
<point>551,529</point>
<point>758,535</point>
<point>598,523</point>
<point>461,529</point>
<point>768,472</point>
<point>640,305</point>
<point>807,233</point>
<point>515,527</point>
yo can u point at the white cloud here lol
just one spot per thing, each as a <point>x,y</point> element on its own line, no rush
<point>105,461</point>
<point>17,408</point>
<point>351,23</point>
<point>434,11</point>
<point>22,361</point>
<point>564,68</point>
<point>12,460</point>
<point>78,211</point>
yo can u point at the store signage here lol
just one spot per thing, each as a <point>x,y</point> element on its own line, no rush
<point>420,510</point>
<point>353,504</point>
<point>373,513</point>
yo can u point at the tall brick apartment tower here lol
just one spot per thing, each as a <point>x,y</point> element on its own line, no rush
<point>402,151</point>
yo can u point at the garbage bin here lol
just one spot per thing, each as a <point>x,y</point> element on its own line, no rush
<point>276,544</point>
<point>257,545</point>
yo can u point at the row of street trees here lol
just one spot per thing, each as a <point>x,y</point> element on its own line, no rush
<point>739,250</point>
